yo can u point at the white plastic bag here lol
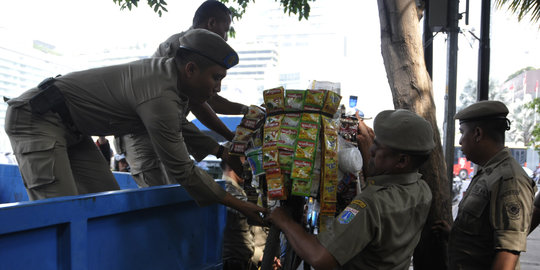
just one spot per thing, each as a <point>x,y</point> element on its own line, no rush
<point>349,157</point>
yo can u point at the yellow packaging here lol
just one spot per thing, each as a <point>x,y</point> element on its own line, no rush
<point>276,188</point>
<point>308,131</point>
<point>331,103</point>
<point>274,99</point>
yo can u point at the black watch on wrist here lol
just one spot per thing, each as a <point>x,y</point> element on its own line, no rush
<point>220,151</point>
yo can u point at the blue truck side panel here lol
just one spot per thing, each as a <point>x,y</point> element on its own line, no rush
<point>149,228</point>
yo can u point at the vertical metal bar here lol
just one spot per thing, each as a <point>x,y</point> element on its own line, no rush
<point>451,78</point>
<point>484,51</point>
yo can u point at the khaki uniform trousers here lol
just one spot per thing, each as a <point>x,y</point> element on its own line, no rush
<point>55,161</point>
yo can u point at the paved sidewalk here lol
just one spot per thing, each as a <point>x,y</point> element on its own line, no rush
<point>530,260</point>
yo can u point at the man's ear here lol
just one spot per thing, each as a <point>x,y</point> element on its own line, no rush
<point>403,161</point>
<point>478,134</point>
<point>211,23</point>
<point>190,68</point>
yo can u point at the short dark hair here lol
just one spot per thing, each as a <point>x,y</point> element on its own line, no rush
<point>417,158</point>
<point>186,56</point>
<point>493,128</point>
<point>209,9</point>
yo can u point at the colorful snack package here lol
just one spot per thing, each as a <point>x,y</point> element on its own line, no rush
<point>255,112</point>
<point>271,130</point>
<point>328,208</point>
<point>331,103</point>
<point>330,144</point>
<point>330,168</point>
<point>270,157</point>
<point>273,121</point>
<point>329,191</point>
<point>257,137</point>
<point>305,150</point>
<point>271,137</point>
<point>286,160</point>
<point>301,187</point>
<point>242,134</point>
<point>291,120</point>
<point>311,117</point>
<point>294,100</point>
<point>273,172</point>
<point>276,188</point>
<point>274,99</point>
<point>301,169</point>
<point>249,123</point>
<point>254,158</point>
<point>314,100</point>
<point>287,138</point>
<point>238,148</point>
<point>308,131</point>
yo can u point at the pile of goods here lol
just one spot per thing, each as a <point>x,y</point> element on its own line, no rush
<point>293,144</point>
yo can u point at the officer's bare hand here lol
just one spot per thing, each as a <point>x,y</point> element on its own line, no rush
<point>441,228</point>
<point>364,138</point>
<point>252,211</point>
<point>279,217</point>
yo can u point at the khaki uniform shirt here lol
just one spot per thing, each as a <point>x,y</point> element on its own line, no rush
<point>169,47</point>
<point>133,97</point>
<point>382,225</point>
<point>494,214</point>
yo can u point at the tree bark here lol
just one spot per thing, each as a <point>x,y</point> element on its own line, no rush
<point>412,89</point>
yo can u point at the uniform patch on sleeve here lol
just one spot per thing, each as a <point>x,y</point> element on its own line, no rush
<point>347,215</point>
<point>360,203</point>
<point>513,210</point>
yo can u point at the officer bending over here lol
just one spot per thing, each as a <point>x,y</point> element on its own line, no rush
<point>50,126</point>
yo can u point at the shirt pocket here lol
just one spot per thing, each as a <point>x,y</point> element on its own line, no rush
<point>472,209</point>
<point>36,161</point>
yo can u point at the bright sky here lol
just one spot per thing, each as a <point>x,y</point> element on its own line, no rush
<point>76,25</point>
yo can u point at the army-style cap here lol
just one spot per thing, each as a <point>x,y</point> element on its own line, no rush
<point>483,110</point>
<point>209,45</point>
<point>404,130</point>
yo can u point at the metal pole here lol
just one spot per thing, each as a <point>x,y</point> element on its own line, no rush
<point>451,78</point>
<point>484,52</point>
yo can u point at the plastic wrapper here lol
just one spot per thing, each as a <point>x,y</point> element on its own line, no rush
<point>291,120</point>
<point>301,169</point>
<point>274,99</point>
<point>311,117</point>
<point>294,100</point>
<point>300,187</point>
<point>276,188</point>
<point>350,158</point>
<point>314,100</point>
<point>270,157</point>
<point>254,158</point>
<point>308,131</point>
<point>305,149</point>
<point>331,104</point>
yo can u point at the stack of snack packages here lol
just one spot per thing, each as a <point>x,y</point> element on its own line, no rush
<point>298,123</point>
<point>248,136</point>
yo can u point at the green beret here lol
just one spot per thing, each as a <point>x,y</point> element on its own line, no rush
<point>404,130</point>
<point>209,45</point>
<point>483,110</point>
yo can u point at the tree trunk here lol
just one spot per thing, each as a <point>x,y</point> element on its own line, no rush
<point>412,89</point>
